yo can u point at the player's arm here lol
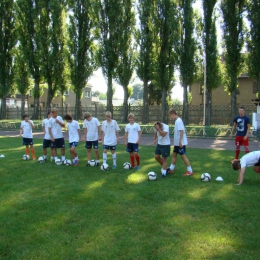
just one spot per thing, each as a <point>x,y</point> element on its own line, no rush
<point>139,136</point>
<point>79,135</point>
<point>117,136</point>
<point>126,137</point>
<point>241,175</point>
<point>21,131</point>
<point>155,137</point>
<point>60,123</point>
<point>51,135</point>
<point>99,133</point>
<point>248,131</point>
<point>85,133</point>
<point>181,137</point>
<point>233,128</point>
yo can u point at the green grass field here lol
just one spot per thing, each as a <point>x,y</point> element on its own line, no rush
<point>59,212</point>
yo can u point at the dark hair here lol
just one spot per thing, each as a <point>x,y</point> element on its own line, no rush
<point>236,165</point>
<point>49,113</point>
<point>159,123</point>
<point>67,117</point>
<point>25,115</point>
<point>241,108</point>
<point>172,111</point>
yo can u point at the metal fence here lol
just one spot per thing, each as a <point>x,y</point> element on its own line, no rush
<point>221,115</point>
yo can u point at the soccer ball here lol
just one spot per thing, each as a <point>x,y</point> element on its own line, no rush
<point>92,163</point>
<point>151,176</point>
<point>58,162</point>
<point>26,157</point>
<point>67,162</point>
<point>205,177</point>
<point>126,165</point>
<point>41,159</point>
<point>104,167</point>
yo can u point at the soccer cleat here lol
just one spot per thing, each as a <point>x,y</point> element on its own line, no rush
<point>163,176</point>
<point>34,158</point>
<point>114,167</point>
<point>76,162</point>
<point>171,171</point>
<point>167,170</point>
<point>188,173</point>
<point>138,167</point>
<point>97,164</point>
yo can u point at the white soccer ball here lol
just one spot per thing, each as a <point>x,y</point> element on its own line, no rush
<point>151,176</point>
<point>41,159</point>
<point>58,162</point>
<point>205,177</point>
<point>26,157</point>
<point>92,163</point>
<point>104,167</point>
<point>126,165</point>
<point>67,162</point>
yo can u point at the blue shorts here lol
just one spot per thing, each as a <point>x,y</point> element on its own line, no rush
<point>131,147</point>
<point>58,143</point>
<point>90,144</point>
<point>46,143</point>
<point>27,141</point>
<point>178,150</point>
<point>107,147</point>
<point>75,144</point>
<point>163,150</point>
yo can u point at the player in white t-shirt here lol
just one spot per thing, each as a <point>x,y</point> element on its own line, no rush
<point>110,137</point>
<point>74,137</point>
<point>92,132</point>
<point>26,131</point>
<point>162,151</point>
<point>248,160</point>
<point>47,139</point>
<point>179,142</point>
<point>55,130</point>
<point>132,139</point>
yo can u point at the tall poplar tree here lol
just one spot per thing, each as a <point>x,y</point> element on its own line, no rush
<point>126,51</point>
<point>167,42</point>
<point>253,10</point>
<point>110,14</point>
<point>29,29</point>
<point>81,47</point>
<point>145,39</point>
<point>232,11</point>
<point>7,43</point>
<point>213,79</point>
<point>187,54</point>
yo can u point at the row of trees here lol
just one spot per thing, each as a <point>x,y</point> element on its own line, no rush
<point>60,43</point>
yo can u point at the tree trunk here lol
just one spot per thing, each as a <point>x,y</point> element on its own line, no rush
<point>185,110</point>
<point>125,105</point>
<point>208,107</point>
<point>36,99</point>
<point>3,108</point>
<point>233,105</point>
<point>258,88</point>
<point>49,98</point>
<point>23,106</point>
<point>109,94</point>
<point>145,118</point>
<point>164,107</point>
<point>78,106</point>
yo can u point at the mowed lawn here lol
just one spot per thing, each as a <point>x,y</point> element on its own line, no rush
<point>58,212</point>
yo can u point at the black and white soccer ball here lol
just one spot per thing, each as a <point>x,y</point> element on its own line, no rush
<point>152,176</point>
<point>41,159</point>
<point>58,162</point>
<point>92,163</point>
<point>126,165</point>
<point>205,177</point>
<point>26,157</point>
<point>104,167</point>
<point>67,162</point>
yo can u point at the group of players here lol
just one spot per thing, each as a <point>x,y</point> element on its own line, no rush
<point>108,133</point>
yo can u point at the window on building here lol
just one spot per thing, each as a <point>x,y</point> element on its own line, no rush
<point>87,94</point>
<point>254,87</point>
<point>66,93</point>
<point>30,93</point>
<point>201,90</point>
<point>238,91</point>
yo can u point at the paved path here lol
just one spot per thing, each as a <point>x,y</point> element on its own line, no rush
<point>204,143</point>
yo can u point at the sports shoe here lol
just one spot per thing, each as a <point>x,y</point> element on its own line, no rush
<point>138,167</point>
<point>114,167</point>
<point>97,164</point>
<point>76,162</point>
<point>163,176</point>
<point>34,158</point>
<point>188,173</point>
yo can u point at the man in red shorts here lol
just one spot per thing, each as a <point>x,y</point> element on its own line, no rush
<point>242,125</point>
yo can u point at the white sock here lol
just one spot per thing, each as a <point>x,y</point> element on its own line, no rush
<point>63,157</point>
<point>189,169</point>
<point>104,158</point>
<point>163,172</point>
<point>114,158</point>
<point>172,167</point>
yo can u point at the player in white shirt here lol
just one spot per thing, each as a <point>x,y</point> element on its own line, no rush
<point>47,139</point>
<point>248,160</point>
<point>55,130</point>
<point>132,139</point>
<point>26,131</point>
<point>179,141</point>
<point>110,137</point>
<point>162,151</point>
<point>92,132</point>
<point>74,137</point>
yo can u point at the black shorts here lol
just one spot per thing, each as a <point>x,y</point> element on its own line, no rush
<point>90,144</point>
<point>178,150</point>
<point>27,141</point>
<point>131,147</point>
<point>58,143</point>
<point>107,147</point>
<point>46,143</point>
<point>163,150</point>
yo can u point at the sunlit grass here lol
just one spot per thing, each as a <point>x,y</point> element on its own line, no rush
<point>58,212</point>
